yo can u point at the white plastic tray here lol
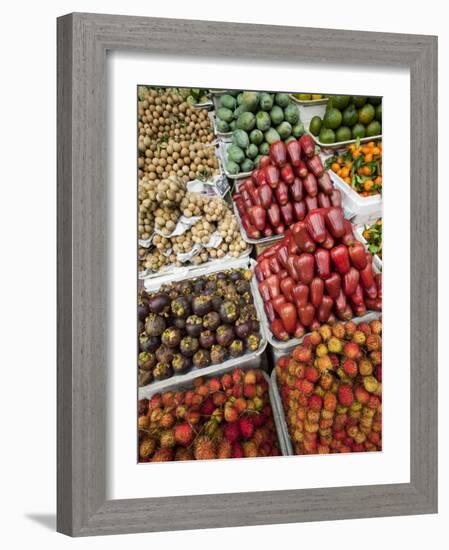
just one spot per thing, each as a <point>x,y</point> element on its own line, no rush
<point>153,285</point>
<point>224,136</point>
<point>277,397</point>
<point>278,349</point>
<point>222,155</point>
<point>341,144</point>
<point>264,240</point>
<point>186,383</point>
<point>364,210</point>
<point>309,109</point>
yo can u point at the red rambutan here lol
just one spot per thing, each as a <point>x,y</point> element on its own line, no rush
<point>231,431</point>
<point>237,450</point>
<point>183,434</point>
<point>345,395</point>
<point>246,427</point>
<point>204,448</point>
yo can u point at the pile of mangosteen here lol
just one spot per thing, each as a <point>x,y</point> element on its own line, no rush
<point>196,323</point>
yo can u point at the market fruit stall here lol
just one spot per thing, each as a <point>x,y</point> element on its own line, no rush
<point>260,266</point>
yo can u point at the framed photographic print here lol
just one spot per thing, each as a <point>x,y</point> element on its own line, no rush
<point>247,315</point>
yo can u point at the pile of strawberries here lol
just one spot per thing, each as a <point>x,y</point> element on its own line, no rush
<point>220,417</point>
<point>331,389</point>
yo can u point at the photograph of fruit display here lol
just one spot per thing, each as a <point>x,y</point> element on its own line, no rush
<point>259,295</point>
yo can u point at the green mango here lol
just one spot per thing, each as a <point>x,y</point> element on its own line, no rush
<point>250,100</point>
<point>276,115</point>
<point>247,165</point>
<point>227,101</point>
<point>265,101</point>
<point>252,151</point>
<point>298,130</point>
<point>246,121</point>
<point>235,154</point>
<point>225,114</point>
<point>256,136</point>
<point>281,99</point>
<point>232,167</point>
<point>291,113</point>
<point>271,136</point>
<point>263,121</point>
<point>240,138</point>
<point>284,129</point>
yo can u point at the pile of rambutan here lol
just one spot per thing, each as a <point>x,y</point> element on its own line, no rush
<point>331,389</point>
<point>219,417</point>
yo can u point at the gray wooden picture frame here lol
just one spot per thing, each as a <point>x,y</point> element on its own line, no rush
<point>83,41</point>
